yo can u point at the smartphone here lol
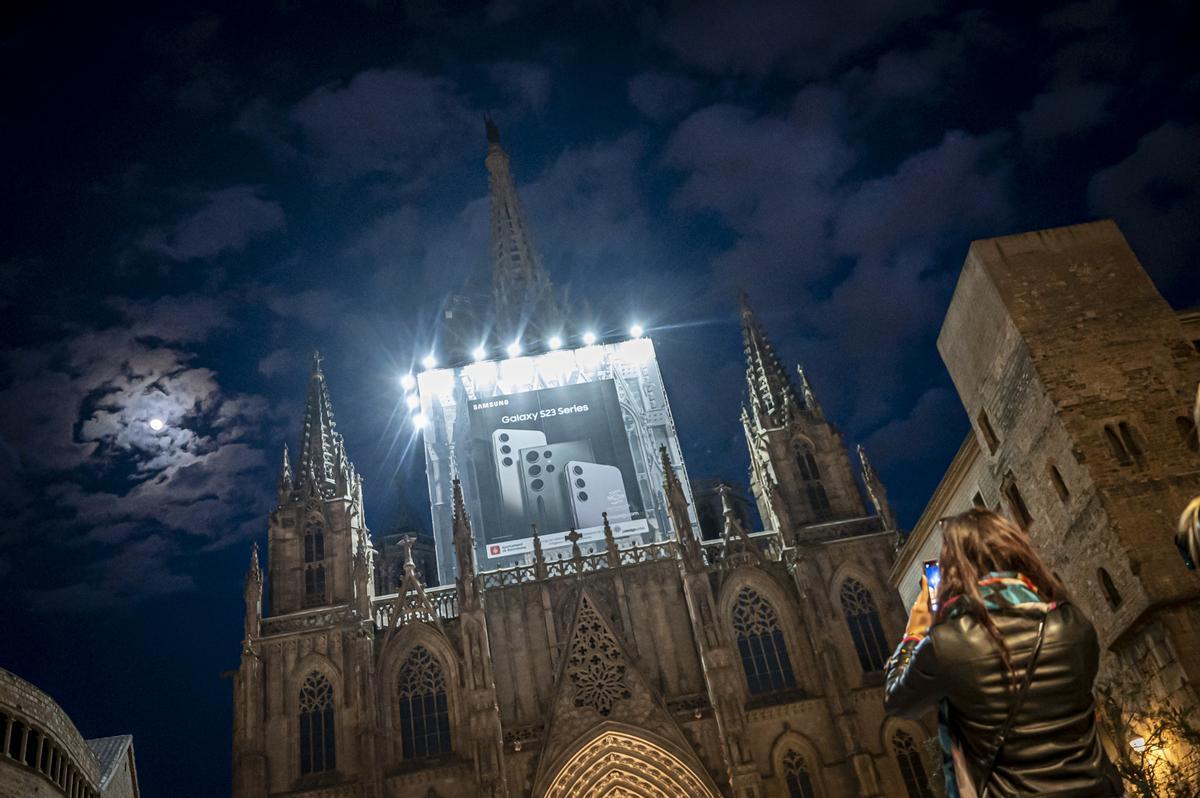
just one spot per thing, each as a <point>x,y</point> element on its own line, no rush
<point>596,489</point>
<point>543,469</point>
<point>506,455</point>
<point>933,578</point>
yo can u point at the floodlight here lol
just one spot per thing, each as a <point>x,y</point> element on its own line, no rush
<point>514,349</point>
<point>157,424</point>
<point>555,342</point>
<point>407,382</point>
<point>419,421</point>
<point>413,401</point>
<point>636,331</point>
<point>480,354</point>
<point>430,361</point>
<point>589,338</point>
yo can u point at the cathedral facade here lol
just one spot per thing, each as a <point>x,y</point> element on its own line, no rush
<point>749,665</point>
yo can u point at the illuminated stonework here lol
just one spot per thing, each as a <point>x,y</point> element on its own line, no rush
<point>616,764</point>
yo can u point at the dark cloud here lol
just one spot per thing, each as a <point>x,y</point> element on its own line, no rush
<point>802,40</point>
<point>393,122</point>
<point>523,82</point>
<point>1066,111</point>
<point>1154,195</point>
<point>226,221</point>
<point>662,95</point>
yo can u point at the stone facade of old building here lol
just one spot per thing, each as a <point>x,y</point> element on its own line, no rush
<point>43,754</point>
<point>748,666</point>
<point>1078,379</point>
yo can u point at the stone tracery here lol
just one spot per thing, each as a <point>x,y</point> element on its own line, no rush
<point>596,666</point>
<point>615,763</point>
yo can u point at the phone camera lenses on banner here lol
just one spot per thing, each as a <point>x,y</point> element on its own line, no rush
<point>532,457</point>
<point>582,496</point>
<point>534,470</point>
<point>507,461</point>
<point>549,467</point>
<point>549,453</point>
<point>505,449</point>
<point>504,436</point>
<point>579,483</point>
<point>577,470</point>
<point>537,484</point>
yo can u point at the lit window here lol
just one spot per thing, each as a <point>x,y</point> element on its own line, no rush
<point>761,644</point>
<point>865,629</point>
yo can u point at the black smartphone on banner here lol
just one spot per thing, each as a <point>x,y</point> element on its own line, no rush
<point>933,578</point>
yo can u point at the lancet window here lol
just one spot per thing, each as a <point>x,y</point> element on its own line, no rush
<point>865,628</point>
<point>424,712</point>
<point>916,783</point>
<point>818,500</point>
<point>797,776</point>
<point>317,743</point>
<point>761,644</point>
<point>314,565</point>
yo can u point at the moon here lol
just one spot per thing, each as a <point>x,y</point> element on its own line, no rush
<point>157,424</point>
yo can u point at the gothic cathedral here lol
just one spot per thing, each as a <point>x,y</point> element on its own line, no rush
<point>748,665</point>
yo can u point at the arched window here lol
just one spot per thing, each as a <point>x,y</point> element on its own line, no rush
<point>818,500</point>
<point>865,629</point>
<point>797,777</point>
<point>317,749</point>
<point>314,566</point>
<point>424,715</point>
<point>1111,594</point>
<point>760,641</point>
<point>911,766</point>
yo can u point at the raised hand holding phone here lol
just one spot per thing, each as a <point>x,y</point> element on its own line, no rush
<point>920,618</point>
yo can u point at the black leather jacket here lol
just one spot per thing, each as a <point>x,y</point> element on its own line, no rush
<point>1053,747</point>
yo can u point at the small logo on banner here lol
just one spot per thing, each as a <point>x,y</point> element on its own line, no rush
<point>493,550</point>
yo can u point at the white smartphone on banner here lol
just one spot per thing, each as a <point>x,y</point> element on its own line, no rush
<point>506,454</point>
<point>596,489</point>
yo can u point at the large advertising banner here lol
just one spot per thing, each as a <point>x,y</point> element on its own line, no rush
<point>554,440</point>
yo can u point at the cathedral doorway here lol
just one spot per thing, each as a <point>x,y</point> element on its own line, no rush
<point>617,764</point>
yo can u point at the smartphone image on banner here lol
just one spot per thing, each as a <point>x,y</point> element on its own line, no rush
<point>933,578</point>
<point>596,489</point>
<point>545,490</point>
<point>506,455</point>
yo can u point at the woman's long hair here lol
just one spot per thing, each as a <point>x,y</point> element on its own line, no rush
<point>977,542</point>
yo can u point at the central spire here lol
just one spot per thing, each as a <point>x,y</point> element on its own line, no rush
<point>773,399</point>
<point>323,463</point>
<point>522,291</point>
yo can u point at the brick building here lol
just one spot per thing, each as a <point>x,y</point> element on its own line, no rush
<point>1079,379</point>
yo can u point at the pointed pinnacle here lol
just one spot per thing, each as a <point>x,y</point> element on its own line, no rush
<point>407,542</point>
<point>254,572</point>
<point>460,510</point>
<point>316,362</point>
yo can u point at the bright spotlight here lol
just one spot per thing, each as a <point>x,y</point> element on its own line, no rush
<point>480,354</point>
<point>419,421</point>
<point>430,361</point>
<point>407,382</point>
<point>413,401</point>
<point>636,331</point>
<point>589,338</point>
<point>157,424</point>
<point>513,349</point>
<point>555,342</point>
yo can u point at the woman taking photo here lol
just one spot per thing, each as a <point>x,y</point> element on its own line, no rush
<point>1009,664</point>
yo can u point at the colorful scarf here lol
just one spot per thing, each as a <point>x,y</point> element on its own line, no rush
<point>1001,590</point>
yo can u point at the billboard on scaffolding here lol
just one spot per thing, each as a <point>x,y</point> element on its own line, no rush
<point>554,440</point>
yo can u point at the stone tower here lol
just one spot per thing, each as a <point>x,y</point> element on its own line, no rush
<point>800,470</point>
<point>523,297</point>
<point>1078,379</point>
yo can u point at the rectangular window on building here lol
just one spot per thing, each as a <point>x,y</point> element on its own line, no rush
<point>1016,503</point>
<point>985,429</point>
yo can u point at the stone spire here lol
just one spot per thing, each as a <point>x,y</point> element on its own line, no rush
<point>286,482</point>
<point>522,292</point>
<point>252,593</point>
<point>810,399</point>
<point>464,549</point>
<point>738,544</point>
<point>773,400</point>
<point>677,507</point>
<point>323,465</point>
<point>875,490</point>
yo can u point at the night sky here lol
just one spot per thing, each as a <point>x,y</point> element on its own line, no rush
<point>196,198</point>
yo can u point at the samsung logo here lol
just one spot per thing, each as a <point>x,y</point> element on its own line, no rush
<point>484,405</point>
